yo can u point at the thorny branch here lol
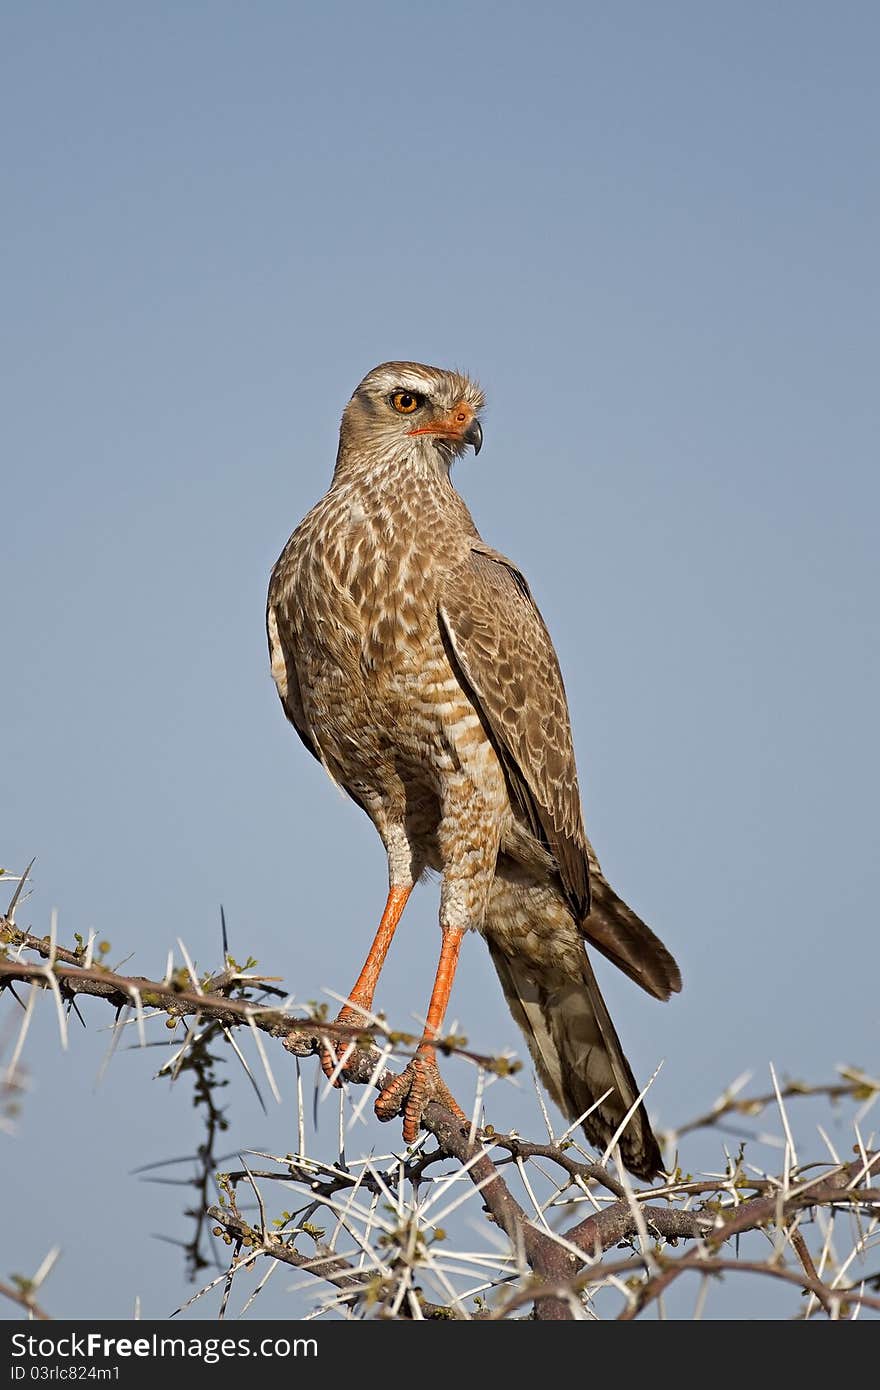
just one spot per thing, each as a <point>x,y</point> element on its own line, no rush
<point>180,996</point>
<point>558,1270</point>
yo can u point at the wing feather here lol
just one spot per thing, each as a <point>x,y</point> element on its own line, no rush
<point>504,655</point>
<point>286,677</point>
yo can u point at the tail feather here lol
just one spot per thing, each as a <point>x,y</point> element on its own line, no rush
<point>616,931</point>
<point>577,1052</point>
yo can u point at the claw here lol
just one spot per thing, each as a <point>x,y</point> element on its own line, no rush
<point>341,1051</point>
<point>419,1083</point>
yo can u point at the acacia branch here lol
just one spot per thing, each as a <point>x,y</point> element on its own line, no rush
<point>652,1289</point>
<point>324,1264</point>
<point>211,1000</point>
<point>547,1258</point>
<point>856,1085</point>
<point>562,1268</point>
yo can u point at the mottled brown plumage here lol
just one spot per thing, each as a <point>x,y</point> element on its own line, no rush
<point>413,662</point>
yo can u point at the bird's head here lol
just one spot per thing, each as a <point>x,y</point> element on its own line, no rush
<point>404,410</point>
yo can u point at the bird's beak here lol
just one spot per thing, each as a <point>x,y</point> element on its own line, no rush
<point>461,426</point>
<point>474,435</point>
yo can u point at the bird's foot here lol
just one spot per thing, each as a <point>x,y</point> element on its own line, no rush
<point>409,1093</point>
<point>337,1056</point>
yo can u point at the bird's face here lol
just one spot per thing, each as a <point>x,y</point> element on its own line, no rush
<point>403,410</point>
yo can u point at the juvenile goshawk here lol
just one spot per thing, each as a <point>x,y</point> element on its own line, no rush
<point>411,659</point>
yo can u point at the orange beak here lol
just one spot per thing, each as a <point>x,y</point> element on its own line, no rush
<point>461,425</point>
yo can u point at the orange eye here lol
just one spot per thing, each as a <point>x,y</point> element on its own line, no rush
<point>405,402</point>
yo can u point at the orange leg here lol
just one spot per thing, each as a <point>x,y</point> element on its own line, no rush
<point>365,985</point>
<point>421,1080</point>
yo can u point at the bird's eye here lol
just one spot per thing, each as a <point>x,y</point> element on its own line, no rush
<point>405,402</point>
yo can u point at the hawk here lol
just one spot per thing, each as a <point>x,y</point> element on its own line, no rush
<point>413,662</point>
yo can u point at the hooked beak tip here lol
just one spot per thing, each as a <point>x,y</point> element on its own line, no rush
<point>474,435</point>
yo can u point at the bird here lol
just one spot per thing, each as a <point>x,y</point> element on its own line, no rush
<point>414,664</point>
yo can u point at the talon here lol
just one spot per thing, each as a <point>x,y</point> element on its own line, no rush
<point>419,1083</point>
<point>333,1054</point>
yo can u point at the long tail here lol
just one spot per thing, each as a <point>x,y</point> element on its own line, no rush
<point>577,1053</point>
<point>616,931</point>
<point>538,951</point>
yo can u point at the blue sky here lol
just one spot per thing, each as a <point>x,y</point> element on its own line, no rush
<point>651,232</point>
